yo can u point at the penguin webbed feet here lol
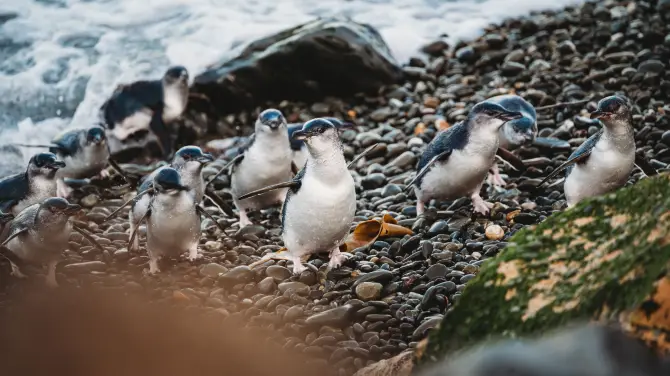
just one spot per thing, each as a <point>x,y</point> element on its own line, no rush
<point>337,258</point>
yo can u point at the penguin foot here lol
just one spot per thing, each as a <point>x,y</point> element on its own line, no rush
<point>480,205</point>
<point>244,219</point>
<point>496,179</point>
<point>337,258</point>
<point>51,275</point>
<point>194,255</point>
<point>298,267</point>
<point>153,267</point>
<point>420,207</point>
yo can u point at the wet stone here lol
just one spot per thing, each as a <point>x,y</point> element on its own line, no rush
<point>212,270</point>
<point>437,271</point>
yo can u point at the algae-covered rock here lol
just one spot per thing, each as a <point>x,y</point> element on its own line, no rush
<point>607,259</point>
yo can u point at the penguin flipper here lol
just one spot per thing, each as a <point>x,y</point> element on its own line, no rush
<point>581,158</point>
<point>14,232</point>
<point>12,190</point>
<point>88,237</point>
<point>513,160</point>
<point>294,168</point>
<point>150,190</point>
<point>145,216</point>
<point>363,154</point>
<point>293,184</point>
<point>443,156</point>
<point>642,163</point>
<point>204,213</point>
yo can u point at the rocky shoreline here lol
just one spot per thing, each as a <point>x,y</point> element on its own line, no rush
<point>391,293</point>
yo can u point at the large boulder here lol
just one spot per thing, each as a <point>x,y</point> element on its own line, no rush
<point>605,260</point>
<point>326,57</point>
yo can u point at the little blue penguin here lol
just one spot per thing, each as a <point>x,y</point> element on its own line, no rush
<point>266,160</point>
<point>173,220</point>
<point>515,132</point>
<point>321,201</point>
<point>298,146</point>
<point>188,162</point>
<point>85,154</point>
<point>40,233</point>
<point>147,105</point>
<point>456,162</point>
<point>33,186</point>
<point>605,160</point>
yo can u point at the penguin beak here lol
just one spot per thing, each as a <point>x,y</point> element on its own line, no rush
<point>300,135</point>
<point>72,209</point>
<point>599,114</point>
<point>205,158</point>
<point>168,186</point>
<point>508,116</point>
<point>56,165</point>
<point>274,124</point>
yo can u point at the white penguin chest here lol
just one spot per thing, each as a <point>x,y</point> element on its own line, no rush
<point>90,161</point>
<point>41,188</point>
<point>460,175</point>
<point>262,167</point>
<point>606,169</point>
<point>174,104</point>
<point>319,215</point>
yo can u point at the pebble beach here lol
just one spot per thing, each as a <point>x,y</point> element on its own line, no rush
<point>387,297</point>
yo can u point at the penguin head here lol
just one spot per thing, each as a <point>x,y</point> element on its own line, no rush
<point>270,120</point>
<point>491,116</point>
<point>191,158</point>
<point>44,164</point>
<point>176,74</point>
<point>520,131</point>
<point>317,133</point>
<point>613,111</point>
<point>59,206</point>
<point>168,181</point>
<point>96,136</point>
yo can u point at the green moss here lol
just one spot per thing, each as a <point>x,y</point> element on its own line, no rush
<point>597,260</point>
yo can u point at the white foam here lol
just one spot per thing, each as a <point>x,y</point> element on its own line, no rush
<point>130,39</point>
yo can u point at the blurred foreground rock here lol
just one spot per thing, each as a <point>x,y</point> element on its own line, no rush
<point>605,260</point>
<point>326,57</point>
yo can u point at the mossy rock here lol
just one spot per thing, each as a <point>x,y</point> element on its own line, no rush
<point>607,260</point>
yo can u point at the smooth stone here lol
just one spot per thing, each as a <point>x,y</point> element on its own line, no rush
<point>238,274</point>
<point>212,270</point>
<point>278,273</point>
<point>439,227</point>
<point>299,287</point>
<point>336,317</point>
<point>86,267</point>
<point>403,160</point>
<point>293,313</point>
<point>427,324</point>
<point>122,254</point>
<point>89,201</point>
<point>369,291</point>
<point>437,271</point>
<point>380,276</point>
<point>267,285</point>
<point>391,190</point>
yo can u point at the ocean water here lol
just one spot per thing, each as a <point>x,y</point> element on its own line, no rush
<point>60,59</point>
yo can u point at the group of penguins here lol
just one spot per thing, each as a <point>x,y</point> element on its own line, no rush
<point>318,200</point>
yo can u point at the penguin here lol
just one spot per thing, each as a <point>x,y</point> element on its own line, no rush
<point>604,162</point>
<point>300,149</point>
<point>266,160</point>
<point>188,162</point>
<point>514,133</point>
<point>457,160</point>
<point>40,233</point>
<point>320,203</point>
<point>34,185</point>
<point>146,105</point>
<point>173,219</point>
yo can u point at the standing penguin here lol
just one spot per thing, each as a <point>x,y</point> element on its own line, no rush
<point>457,161</point>
<point>40,233</point>
<point>321,201</point>
<point>514,133</point>
<point>265,161</point>
<point>605,160</point>
<point>147,105</point>
<point>173,219</point>
<point>33,186</point>
<point>188,162</point>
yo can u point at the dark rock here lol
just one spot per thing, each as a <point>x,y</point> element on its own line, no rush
<point>369,290</point>
<point>278,273</point>
<point>437,271</point>
<point>238,274</point>
<point>437,48</point>
<point>326,57</point>
<point>212,270</point>
<point>267,285</point>
<point>380,276</point>
<point>299,287</point>
<point>333,317</point>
